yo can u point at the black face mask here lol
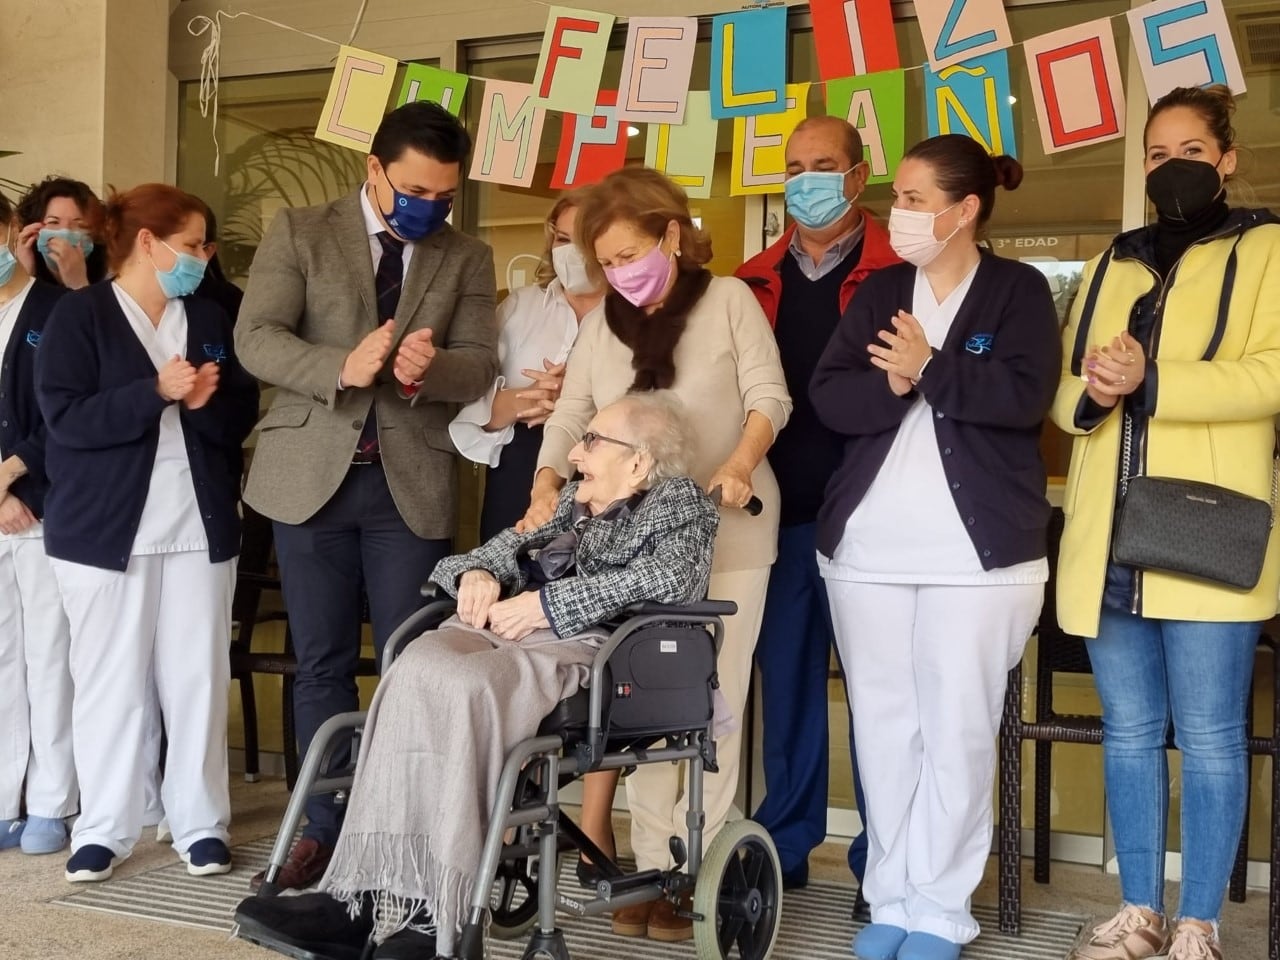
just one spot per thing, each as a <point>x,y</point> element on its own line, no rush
<point>1183,189</point>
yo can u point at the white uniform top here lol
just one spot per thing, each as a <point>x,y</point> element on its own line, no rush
<point>8,323</point>
<point>907,528</point>
<point>170,517</point>
<point>536,325</point>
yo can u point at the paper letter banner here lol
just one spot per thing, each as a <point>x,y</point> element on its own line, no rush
<point>1076,84</point>
<point>572,58</point>
<point>510,129</point>
<point>656,68</point>
<point>748,62</point>
<point>592,146</point>
<point>357,98</point>
<point>686,153</point>
<point>973,98</point>
<point>1184,43</point>
<point>956,30</point>
<point>877,106</point>
<point>853,37</point>
<point>430,83</point>
<point>759,145</point>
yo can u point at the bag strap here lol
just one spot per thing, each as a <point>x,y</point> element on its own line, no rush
<point>1086,314</point>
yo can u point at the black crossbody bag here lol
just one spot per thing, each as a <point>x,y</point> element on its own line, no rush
<point>1191,529</point>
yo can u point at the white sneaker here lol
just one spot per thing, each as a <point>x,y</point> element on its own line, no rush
<point>163,834</point>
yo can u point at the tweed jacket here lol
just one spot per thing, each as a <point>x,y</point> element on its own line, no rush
<point>661,553</point>
<point>309,301</point>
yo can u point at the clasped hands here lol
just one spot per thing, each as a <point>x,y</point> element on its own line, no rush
<point>479,607</point>
<point>180,380</point>
<point>1114,370</point>
<point>902,352</point>
<point>413,356</point>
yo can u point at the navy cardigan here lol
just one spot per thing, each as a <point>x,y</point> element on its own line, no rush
<point>22,430</point>
<point>990,386</point>
<point>97,389</point>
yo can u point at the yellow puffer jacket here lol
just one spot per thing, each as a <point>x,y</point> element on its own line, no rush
<point>1213,420</point>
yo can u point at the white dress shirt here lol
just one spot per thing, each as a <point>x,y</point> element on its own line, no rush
<point>374,227</point>
<point>907,528</point>
<point>8,323</point>
<point>535,325</point>
<point>171,516</point>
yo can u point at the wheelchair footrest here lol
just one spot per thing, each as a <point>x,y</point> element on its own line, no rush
<point>610,887</point>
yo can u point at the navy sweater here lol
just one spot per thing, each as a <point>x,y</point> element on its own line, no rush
<point>990,386</point>
<point>97,389</point>
<point>22,430</point>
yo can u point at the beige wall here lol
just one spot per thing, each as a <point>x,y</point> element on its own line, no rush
<point>85,88</point>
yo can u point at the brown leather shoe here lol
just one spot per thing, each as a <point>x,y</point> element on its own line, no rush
<point>307,863</point>
<point>632,921</point>
<point>665,926</point>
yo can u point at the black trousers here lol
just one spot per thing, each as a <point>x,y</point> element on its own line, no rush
<point>357,538</point>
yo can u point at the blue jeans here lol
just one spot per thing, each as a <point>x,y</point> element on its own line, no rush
<point>793,654</point>
<point>1149,672</point>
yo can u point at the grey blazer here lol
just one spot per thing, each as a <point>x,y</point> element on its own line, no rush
<point>309,301</point>
<point>661,553</point>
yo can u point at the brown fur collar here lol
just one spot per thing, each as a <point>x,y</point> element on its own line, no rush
<point>653,337</point>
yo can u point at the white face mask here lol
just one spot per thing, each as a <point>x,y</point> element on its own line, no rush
<point>911,235</point>
<point>571,268</point>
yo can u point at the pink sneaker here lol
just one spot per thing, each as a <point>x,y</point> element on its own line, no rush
<point>1132,934</point>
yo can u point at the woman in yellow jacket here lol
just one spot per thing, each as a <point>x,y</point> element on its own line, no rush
<point>1173,343</point>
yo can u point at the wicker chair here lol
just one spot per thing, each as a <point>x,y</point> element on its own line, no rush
<point>254,577</point>
<point>1058,652</point>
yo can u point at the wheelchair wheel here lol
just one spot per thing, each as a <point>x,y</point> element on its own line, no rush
<point>738,894</point>
<point>513,902</point>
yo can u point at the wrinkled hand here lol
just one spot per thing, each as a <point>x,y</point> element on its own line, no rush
<point>518,617</point>
<point>905,350</point>
<point>69,260</point>
<point>176,379</point>
<point>1114,370</point>
<point>478,591</point>
<point>539,398</point>
<point>734,483</point>
<point>26,246</point>
<point>206,383</point>
<point>364,362</point>
<point>14,515</point>
<point>414,357</point>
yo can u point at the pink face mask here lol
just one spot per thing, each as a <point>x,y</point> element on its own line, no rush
<point>642,281</point>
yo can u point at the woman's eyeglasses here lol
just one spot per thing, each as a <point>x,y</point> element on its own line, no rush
<point>589,440</point>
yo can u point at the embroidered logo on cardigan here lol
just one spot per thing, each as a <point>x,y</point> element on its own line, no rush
<point>980,343</point>
<point>216,352</point>
<point>33,338</point>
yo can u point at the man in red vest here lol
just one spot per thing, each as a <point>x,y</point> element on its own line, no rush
<point>804,282</point>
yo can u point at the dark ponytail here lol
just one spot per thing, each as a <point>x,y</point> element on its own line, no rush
<point>962,167</point>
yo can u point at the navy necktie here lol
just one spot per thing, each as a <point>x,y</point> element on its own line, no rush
<point>386,283</point>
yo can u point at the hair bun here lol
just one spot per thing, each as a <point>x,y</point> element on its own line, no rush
<point>1008,172</point>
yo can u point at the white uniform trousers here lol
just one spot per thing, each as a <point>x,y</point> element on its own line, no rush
<point>926,679</point>
<point>658,805</point>
<point>170,613</point>
<point>35,686</point>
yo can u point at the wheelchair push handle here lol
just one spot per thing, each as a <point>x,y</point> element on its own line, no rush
<point>753,506</point>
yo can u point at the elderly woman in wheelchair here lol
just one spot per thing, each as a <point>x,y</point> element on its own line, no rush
<point>473,730</point>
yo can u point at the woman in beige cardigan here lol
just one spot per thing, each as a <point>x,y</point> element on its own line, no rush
<point>666,322</point>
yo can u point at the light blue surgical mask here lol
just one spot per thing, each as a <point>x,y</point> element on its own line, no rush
<point>183,277</point>
<point>816,199</point>
<point>77,238</point>
<point>8,262</point>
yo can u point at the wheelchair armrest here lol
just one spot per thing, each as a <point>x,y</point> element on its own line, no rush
<point>430,616</point>
<point>433,591</point>
<point>703,608</point>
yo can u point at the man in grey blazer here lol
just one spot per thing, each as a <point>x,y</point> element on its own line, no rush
<point>374,318</point>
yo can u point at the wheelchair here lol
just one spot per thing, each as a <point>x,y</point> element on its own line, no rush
<point>649,700</point>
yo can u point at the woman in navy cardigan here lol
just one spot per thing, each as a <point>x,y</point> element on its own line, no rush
<point>932,535</point>
<point>147,408</point>
<point>35,686</point>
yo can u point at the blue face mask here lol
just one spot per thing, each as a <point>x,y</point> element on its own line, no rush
<point>413,218</point>
<point>8,264</point>
<point>816,200</point>
<point>77,238</point>
<point>183,277</point>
